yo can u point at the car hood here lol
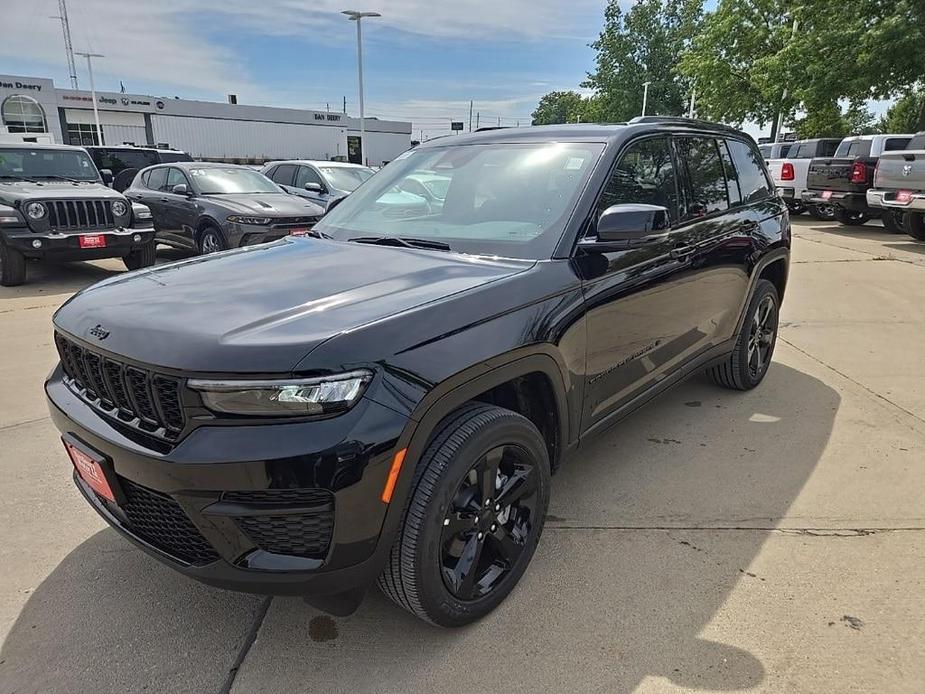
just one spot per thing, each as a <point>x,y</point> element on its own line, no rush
<point>262,309</point>
<point>55,190</point>
<point>270,204</point>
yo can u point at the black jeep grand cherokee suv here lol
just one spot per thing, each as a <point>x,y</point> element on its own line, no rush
<point>386,401</point>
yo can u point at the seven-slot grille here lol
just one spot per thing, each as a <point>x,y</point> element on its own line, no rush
<point>76,215</point>
<point>140,398</point>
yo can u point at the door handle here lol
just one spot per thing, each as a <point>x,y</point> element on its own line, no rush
<point>165,200</point>
<point>681,251</point>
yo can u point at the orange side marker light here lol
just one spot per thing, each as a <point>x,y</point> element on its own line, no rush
<point>393,475</point>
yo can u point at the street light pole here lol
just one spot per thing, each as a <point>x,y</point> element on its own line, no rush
<point>355,16</point>
<point>779,125</point>
<point>645,96</point>
<point>96,111</point>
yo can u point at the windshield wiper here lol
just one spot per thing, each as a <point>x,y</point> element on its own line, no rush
<point>9,177</point>
<point>319,234</point>
<point>403,242</point>
<point>59,178</point>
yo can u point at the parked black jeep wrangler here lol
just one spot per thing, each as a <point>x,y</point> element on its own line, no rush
<point>386,401</point>
<point>53,204</point>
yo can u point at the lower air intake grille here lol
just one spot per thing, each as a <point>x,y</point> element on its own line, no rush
<point>158,519</point>
<point>297,522</point>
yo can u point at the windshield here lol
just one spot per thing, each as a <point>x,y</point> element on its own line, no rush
<point>509,200</point>
<point>31,164</point>
<point>216,181</point>
<point>345,177</point>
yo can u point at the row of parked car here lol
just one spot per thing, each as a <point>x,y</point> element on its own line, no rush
<point>75,203</point>
<point>855,179</point>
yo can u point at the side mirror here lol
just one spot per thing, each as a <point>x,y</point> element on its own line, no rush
<point>180,189</point>
<point>312,187</point>
<point>106,175</point>
<point>629,225</point>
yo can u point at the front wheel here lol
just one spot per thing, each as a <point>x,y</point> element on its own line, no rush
<point>12,266</point>
<point>145,256</point>
<point>476,512</point>
<point>211,241</point>
<point>746,367</point>
<point>850,217</point>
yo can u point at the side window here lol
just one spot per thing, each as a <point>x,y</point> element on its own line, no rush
<point>157,179</point>
<point>765,151</point>
<point>283,174</point>
<point>644,174</point>
<point>308,175</point>
<point>827,148</point>
<point>175,177</point>
<point>271,172</point>
<point>894,143</point>
<point>705,176</point>
<point>753,182</point>
<point>732,178</point>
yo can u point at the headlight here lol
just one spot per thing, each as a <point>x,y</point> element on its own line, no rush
<point>35,210</point>
<point>249,220</point>
<point>119,208</point>
<point>288,397</point>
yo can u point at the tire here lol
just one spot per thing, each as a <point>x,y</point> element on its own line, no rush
<point>145,256</point>
<point>756,336</point>
<point>796,208</point>
<point>821,212</point>
<point>12,266</point>
<point>421,575</point>
<point>893,221</point>
<point>210,240</point>
<point>915,225</point>
<point>850,218</point>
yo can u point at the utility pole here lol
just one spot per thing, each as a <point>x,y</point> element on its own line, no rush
<point>779,121</point>
<point>68,46</point>
<point>345,105</point>
<point>477,116</point>
<point>470,115</point>
<point>645,96</point>
<point>96,111</point>
<point>690,113</point>
<point>357,17</point>
<point>499,121</point>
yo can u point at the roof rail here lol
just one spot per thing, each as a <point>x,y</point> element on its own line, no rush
<point>680,120</point>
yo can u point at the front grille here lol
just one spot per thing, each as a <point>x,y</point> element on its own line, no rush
<point>76,215</point>
<point>294,222</point>
<point>159,520</point>
<point>148,401</point>
<point>306,533</point>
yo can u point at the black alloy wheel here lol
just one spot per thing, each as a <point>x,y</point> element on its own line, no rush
<point>491,518</point>
<point>748,363</point>
<point>893,221</point>
<point>821,211</point>
<point>473,518</point>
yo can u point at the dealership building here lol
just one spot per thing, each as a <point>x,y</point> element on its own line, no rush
<point>207,130</point>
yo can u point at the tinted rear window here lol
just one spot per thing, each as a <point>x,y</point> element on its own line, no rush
<point>753,182</point>
<point>169,157</point>
<point>807,150</point>
<point>917,142</point>
<point>119,159</point>
<point>853,148</point>
<point>705,175</point>
<point>894,143</point>
<point>827,148</point>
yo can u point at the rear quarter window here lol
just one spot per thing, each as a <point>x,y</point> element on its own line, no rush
<point>853,148</point>
<point>753,181</point>
<point>917,142</point>
<point>895,143</point>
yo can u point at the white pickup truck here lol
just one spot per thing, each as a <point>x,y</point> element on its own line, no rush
<point>790,172</point>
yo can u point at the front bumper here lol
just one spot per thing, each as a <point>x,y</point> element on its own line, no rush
<point>253,234</point>
<point>226,504</point>
<point>887,198</point>
<point>856,202</point>
<point>66,245</point>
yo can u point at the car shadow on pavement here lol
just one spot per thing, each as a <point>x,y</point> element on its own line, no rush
<point>651,528</point>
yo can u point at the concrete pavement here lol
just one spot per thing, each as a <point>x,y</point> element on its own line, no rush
<point>767,541</point>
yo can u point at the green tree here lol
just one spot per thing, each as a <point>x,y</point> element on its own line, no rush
<point>903,115</point>
<point>829,120</point>
<point>560,107</point>
<point>643,45</point>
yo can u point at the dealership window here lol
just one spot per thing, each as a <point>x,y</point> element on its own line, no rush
<point>23,114</point>
<point>83,134</point>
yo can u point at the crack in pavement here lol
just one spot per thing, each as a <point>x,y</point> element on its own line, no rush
<point>869,390</point>
<point>916,262</point>
<point>23,423</point>
<point>249,639</point>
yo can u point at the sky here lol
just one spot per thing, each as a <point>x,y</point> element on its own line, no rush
<point>424,60</point>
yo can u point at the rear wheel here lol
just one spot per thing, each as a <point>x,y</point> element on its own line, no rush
<point>12,266</point>
<point>893,221</point>
<point>850,217</point>
<point>915,225</point>
<point>211,240</point>
<point>746,367</point>
<point>145,256</point>
<point>796,208</point>
<point>822,211</point>
<point>474,518</point>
